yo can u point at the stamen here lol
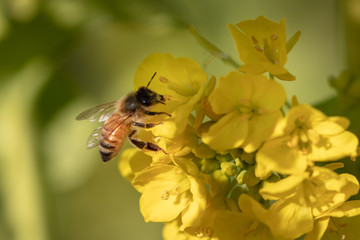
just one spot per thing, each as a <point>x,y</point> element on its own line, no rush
<point>273,37</point>
<point>163,79</point>
<point>176,190</point>
<point>256,44</point>
<point>165,195</point>
<point>257,48</point>
<point>255,41</point>
<point>293,141</point>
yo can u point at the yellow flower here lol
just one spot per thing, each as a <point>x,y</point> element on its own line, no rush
<point>316,194</point>
<point>203,230</point>
<point>261,45</point>
<point>304,136</point>
<point>336,228</point>
<point>251,107</point>
<point>248,224</point>
<point>181,80</point>
<point>133,161</point>
<point>171,190</point>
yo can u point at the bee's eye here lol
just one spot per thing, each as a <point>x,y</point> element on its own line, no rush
<point>145,102</point>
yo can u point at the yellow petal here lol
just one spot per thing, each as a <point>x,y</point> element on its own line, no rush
<point>327,128</point>
<point>236,230</point>
<point>196,208</point>
<point>229,132</point>
<point>233,90</point>
<point>252,208</point>
<point>283,188</point>
<point>347,209</point>
<point>335,147</point>
<point>260,128</point>
<point>320,226</point>
<point>132,161</point>
<point>289,218</point>
<point>275,155</point>
<point>267,95</point>
<point>155,209</point>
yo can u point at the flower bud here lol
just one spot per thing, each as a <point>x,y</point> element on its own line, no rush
<point>249,178</point>
<point>248,157</point>
<point>203,151</point>
<point>224,157</point>
<point>228,168</point>
<point>240,177</point>
<point>209,165</point>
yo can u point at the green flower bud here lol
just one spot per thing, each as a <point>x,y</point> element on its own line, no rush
<point>236,153</point>
<point>272,179</point>
<point>249,178</point>
<point>254,193</point>
<point>219,182</point>
<point>228,168</point>
<point>209,165</point>
<point>204,151</point>
<point>240,177</point>
<point>224,158</point>
<point>248,157</point>
<point>241,164</point>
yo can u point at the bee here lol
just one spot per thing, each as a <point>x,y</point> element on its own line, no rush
<point>121,117</point>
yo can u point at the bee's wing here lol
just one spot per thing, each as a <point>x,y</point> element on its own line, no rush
<point>94,138</point>
<point>98,113</point>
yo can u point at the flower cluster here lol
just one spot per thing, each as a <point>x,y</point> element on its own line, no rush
<point>235,165</point>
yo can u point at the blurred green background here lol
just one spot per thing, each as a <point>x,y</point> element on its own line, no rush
<point>59,57</point>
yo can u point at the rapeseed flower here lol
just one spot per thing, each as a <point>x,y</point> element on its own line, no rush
<point>181,80</point>
<point>315,194</point>
<point>250,105</point>
<point>261,45</point>
<point>249,223</point>
<point>234,165</point>
<point>304,136</point>
<point>170,190</point>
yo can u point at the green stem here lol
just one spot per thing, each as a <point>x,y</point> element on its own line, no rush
<point>213,49</point>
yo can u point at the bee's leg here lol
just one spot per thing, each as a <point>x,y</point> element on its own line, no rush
<point>144,125</point>
<point>156,113</point>
<point>144,145</point>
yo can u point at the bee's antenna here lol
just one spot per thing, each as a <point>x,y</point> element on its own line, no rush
<point>150,80</point>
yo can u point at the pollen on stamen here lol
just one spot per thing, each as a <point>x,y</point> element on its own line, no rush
<point>176,190</point>
<point>199,234</point>
<point>256,44</point>
<point>293,141</point>
<point>185,201</point>
<point>257,48</point>
<point>163,79</point>
<point>273,37</point>
<point>255,41</point>
<point>165,195</point>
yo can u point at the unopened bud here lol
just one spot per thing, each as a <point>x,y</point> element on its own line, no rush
<point>224,157</point>
<point>204,151</point>
<point>270,180</point>
<point>249,178</point>
<point>248,157</point>
<point>209,165</point>
<point>240,177</point>
<point>228,168</point>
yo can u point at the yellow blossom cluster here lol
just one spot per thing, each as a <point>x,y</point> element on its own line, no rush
<point>235,166</point>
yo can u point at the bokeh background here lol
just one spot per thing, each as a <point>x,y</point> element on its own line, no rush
<point>59,57</point>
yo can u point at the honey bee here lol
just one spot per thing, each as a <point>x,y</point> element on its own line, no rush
<point>120,118</point>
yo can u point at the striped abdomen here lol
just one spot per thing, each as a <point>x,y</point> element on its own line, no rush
<point>113,136</point>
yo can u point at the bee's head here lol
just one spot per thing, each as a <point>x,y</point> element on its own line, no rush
<point>146,97</point>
